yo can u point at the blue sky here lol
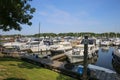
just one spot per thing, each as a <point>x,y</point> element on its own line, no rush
<point>59,16</point>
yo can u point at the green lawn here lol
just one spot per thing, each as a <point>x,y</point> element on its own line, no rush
<point>14,69</point>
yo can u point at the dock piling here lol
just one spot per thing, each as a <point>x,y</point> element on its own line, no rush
<point>85,58</point>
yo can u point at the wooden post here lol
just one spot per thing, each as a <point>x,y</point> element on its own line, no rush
<point>85,58</point>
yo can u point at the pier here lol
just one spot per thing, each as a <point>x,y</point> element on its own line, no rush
<point>58,57</point>
<point>59,67</point>
<point>54,65</point>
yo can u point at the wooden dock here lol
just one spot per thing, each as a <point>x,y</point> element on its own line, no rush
<point>58,57</point>
<point>59,67</point>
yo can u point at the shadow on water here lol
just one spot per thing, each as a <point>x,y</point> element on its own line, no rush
<point>14,79</point>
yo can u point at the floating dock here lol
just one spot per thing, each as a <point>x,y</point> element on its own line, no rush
<point>59,67</point>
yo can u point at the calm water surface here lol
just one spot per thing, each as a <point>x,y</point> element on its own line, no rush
<point>105,58</point>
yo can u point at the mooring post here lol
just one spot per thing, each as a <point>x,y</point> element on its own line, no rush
<point>85,58</point>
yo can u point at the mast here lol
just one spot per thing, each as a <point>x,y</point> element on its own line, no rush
<point>39,38</point>
<point>116,35</point>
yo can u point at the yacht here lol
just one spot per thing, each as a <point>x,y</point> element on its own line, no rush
<point>60,48</point>
<point>77,54</point>
<point>105,42</point>
<point>116,42</point>
<point>17,45</point>
<point>38,45</point>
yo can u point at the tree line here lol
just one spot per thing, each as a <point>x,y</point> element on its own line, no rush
<point>90,34</point>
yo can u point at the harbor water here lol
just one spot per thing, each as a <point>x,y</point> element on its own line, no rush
<point>105,58</point>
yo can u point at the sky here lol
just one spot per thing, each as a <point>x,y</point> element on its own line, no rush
<point>62,16</point>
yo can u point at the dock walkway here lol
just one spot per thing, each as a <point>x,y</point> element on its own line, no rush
<point>58,57</point>
<point>59,67</point>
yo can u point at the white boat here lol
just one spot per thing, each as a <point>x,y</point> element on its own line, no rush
<point>98,41</point>
<point>60,48</point>
<point>93,67</point>
<point>116,42</point>
<point>17,45</point>
<point>37,46</point>
<point>105,42</point>
<point>77,54</point>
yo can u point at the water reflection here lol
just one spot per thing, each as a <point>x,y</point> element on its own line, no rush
<point>105,57</point>
<point>105,49</point>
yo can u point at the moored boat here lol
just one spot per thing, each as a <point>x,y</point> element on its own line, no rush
<point>60,48</point>
<point>77,54</point>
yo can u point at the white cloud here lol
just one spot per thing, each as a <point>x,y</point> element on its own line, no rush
<point>61,17</point>
<point>43,13</point>
<point>82,14</point>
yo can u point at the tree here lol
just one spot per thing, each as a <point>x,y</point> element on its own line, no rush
<point>15,12</point>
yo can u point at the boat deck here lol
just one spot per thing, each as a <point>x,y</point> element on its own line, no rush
<point>101,75</point>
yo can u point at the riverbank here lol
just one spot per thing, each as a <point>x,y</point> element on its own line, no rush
<point>15,69</point>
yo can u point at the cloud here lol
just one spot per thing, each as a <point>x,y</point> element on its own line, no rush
<point>57,16</point>
<point>43,13</point>
<point>82,14</point>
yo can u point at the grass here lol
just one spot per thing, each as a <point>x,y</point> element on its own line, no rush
<point>14,69</point>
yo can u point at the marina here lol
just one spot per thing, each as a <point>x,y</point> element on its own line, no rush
<point>66,59</point>
<point>66,40</point>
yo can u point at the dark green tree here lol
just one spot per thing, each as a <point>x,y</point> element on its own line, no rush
<point>15,12</point>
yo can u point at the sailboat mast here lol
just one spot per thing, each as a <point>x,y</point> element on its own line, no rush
<point>39,29</point>
<point>39,38</point>
<point>116,35</point>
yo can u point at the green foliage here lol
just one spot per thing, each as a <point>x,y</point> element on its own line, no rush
<point>45,34</point>
<point>15,12</point>
<point>110,34</point>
